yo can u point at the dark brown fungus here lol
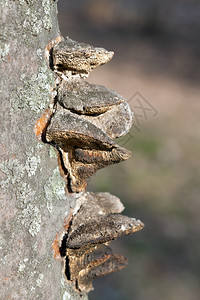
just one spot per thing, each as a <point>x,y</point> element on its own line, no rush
<point>94,262</point>
<point>67,129</point>
<point>96,222</point>
<point>69,55</point>
<point>101,230</point>
<point>98,105</point>
<point>84,148</point>
<point>82,97</point>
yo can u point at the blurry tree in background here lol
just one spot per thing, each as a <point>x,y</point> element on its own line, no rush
<point>176,17</point>
<point>156,46</point>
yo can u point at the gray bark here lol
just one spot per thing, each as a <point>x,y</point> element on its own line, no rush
<point>33,202</point>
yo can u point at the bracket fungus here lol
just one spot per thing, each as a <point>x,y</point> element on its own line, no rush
<point>84,117</point>
<point>83,148</point>
<point>78,58</point>
<point>83,247</point>
<point>81,122</point>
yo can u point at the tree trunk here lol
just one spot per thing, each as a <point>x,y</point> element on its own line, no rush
<point>33,201</point>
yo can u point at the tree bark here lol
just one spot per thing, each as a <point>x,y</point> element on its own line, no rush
<point>33,201</point>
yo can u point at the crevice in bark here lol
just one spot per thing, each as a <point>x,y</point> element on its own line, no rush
<point>63,246</point>
<point>67,268</point>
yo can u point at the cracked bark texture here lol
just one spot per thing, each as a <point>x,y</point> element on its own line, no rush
<point>32,197</point>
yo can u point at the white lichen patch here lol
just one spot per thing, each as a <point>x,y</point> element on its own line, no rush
<point>31,218</point>
<point>23,76</point>
<point>33,274</point>
<point>54,189</point>
<point>4,50</point>
<point>32,164</point>
<point>39,53</point>
<point>39,280</point>
<point>46,6</point>
<point>26,259</point>
<point>47,10</point>
<point>1,241</point>
<point>62,281</point>
<point>40,146</point>
<point>4,260</point>
<point>13,171</point>
<point>24,193</point>
<point>52,152</point>
<point>33,93</point>
<point>40,87</point>
<point>32,20</point>
<point>6,3</point>
<point>66,296</point>
<point>22,267</point>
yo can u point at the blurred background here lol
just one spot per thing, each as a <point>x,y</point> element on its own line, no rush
<point>156,67</point>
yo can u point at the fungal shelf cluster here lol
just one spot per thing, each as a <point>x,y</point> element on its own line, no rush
<point>81,122</point>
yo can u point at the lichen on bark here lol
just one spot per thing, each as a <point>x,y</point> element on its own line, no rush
<point>29,220</point>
